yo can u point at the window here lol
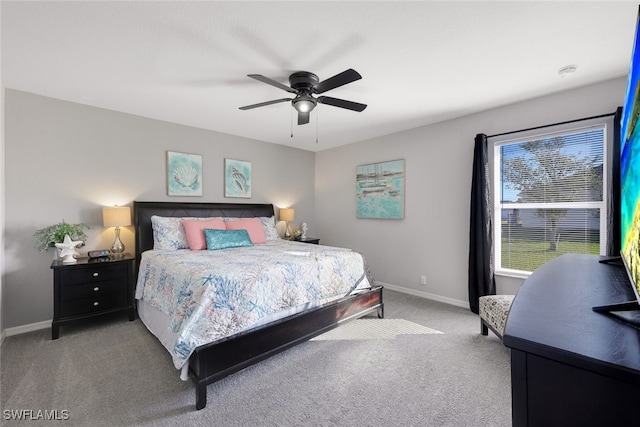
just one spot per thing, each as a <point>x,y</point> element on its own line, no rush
<point>549,197</point>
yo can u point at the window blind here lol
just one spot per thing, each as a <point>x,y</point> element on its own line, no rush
<point>549,197</point>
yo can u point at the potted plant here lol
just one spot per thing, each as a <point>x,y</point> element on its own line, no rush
<point>47,237</point>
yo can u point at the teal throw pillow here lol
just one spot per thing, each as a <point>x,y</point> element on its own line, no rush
<point>223,239</point>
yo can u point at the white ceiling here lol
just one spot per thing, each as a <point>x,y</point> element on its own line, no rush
<point>421,62</point>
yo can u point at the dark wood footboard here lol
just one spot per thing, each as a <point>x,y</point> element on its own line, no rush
<point>212,362</point>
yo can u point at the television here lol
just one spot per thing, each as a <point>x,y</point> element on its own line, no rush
<point>629,204</point>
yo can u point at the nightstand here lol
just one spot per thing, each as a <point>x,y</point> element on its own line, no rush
<point>91,287</point>
<point>311,240</point>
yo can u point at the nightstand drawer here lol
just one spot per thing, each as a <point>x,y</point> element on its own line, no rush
<point>93,290</point>
<point>92,305</point>
<point>87,275</point>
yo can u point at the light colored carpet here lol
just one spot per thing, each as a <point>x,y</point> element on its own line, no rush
<point>115,373</point>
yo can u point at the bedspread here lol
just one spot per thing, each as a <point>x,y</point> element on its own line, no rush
<point>209,295</point>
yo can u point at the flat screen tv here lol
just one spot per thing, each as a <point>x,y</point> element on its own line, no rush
<point>630,180</point>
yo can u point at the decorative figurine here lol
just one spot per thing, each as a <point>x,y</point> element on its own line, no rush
<point>304,230</point>
<point>68,249</point>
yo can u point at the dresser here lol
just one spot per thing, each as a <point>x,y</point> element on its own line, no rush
<point>571,366</point>
<point>91,287</point>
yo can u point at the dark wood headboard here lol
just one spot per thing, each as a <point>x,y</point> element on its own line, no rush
<point>143,211</point>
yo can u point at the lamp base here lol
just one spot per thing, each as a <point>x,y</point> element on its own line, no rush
<point>118,247</point>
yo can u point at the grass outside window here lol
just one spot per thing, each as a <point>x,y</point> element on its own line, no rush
<point>528,255</point>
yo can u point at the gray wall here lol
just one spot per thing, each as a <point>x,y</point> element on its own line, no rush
<point>67,161</point>
<point>433,238</point>
<point>2,228</point>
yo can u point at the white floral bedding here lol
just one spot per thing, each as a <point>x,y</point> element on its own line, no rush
<point>209,295</point>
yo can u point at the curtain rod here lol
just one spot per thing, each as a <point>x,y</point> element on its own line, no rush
<point>552,124</point>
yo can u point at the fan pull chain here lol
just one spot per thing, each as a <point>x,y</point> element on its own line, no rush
<point>317,120</point>
<point>291,122</point>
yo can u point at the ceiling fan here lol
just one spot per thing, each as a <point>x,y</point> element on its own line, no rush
<point>304,85</point>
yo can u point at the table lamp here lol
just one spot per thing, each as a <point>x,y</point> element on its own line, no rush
<point>286,215</point>
<point>118,216</point>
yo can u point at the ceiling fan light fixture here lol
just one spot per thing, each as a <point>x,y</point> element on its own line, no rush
<point>304,85</point>
<point>303,103</point>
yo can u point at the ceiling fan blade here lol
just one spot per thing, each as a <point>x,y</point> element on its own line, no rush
<point>338,80</point>
<point>335,102</point>
<point>271,82</point>
<point>262,104</point>
<point>303,118</point>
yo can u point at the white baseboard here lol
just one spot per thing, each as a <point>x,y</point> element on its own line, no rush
<point>23,329</point>
<point>427,295</point>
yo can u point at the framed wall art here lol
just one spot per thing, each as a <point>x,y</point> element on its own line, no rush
<point>184,174</point>
<point>380,190</point>
<point>237,178</point>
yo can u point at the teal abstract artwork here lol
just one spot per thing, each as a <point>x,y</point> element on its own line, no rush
<point>380,190</point>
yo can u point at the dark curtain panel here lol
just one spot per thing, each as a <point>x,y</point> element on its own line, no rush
<point>613,215</point>
<point>481,266</point>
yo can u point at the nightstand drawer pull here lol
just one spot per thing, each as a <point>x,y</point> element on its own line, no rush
<point>96,289</point>
<point>95,303</point>
<point>95,274</point>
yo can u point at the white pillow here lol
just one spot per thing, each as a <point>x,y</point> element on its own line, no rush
<point>269,223</point>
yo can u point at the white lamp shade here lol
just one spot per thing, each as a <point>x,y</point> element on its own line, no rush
<point>286,214</point>
<point>118,216</point>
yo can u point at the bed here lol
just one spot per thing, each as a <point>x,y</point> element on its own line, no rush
<point>211,361</point>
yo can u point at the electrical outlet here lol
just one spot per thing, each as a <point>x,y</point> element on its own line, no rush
<point>423,280</point>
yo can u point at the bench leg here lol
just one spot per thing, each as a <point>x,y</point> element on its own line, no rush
<point>483,328</point>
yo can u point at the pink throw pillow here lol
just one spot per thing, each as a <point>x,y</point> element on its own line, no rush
<point>194,229</point>
<point>253,226</point>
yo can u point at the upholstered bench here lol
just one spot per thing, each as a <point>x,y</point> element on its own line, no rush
<point>493,313</point>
